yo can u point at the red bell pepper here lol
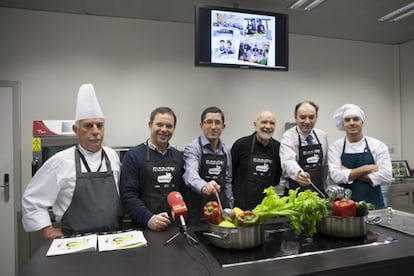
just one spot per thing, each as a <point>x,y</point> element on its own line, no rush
<point>344,208</point>
<point>212,212</point>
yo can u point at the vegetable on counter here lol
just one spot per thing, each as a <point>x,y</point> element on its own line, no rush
<point>237,211</point>
<point>303,208</point>
<point>344,208</point>
<point>247,218</point>
<point>362,208</point>
<point>212,212</point>
<point>228,224</point>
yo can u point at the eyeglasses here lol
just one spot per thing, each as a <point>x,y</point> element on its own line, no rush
<point>211,122</point>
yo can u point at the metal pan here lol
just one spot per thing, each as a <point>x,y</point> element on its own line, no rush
<point>344,227</point>
<point>243,237</point>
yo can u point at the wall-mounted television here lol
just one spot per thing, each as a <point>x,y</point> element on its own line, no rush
<point>233,37</point>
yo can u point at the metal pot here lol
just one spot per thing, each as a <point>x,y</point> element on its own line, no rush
<point>243,237</point>
<point>344,227</point>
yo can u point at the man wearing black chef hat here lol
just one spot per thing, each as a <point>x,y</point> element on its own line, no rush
<point>79,183</point>
<point>359,162</point>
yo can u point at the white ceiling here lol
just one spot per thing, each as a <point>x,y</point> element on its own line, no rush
<point>343,19</point>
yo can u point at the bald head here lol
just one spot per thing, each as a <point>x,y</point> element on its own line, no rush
<point>265,114</point>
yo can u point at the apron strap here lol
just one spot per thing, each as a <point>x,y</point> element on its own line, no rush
<point>85,163</point>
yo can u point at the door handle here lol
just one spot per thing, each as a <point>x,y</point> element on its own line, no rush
<point>35,166</point>
<point>6,181</point>
<point>5,185</point>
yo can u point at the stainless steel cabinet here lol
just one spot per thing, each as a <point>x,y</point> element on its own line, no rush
<point>399,193</point>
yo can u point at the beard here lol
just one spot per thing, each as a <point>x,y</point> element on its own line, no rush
<point>264,136</point>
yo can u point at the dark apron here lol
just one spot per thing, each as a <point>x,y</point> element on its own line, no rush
<point>260,175</point>
<point>310,160</point>
<point>212,167</point>
<point>161,179</point>
<point>362,190</point>
<point>95,204</point>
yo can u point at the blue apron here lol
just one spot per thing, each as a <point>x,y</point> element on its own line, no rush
<point>362,190</point>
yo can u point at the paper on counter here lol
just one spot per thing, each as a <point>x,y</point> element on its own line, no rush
<point>61,246</point>
<point>122,240</point>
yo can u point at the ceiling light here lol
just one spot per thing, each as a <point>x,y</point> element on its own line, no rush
<point>398,14</point>
<point>404,15</point>
<point>306,5</point>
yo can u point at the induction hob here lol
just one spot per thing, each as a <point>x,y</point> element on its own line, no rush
<point>281,243</point>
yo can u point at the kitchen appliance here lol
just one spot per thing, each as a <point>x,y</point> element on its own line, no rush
<point>280,242</point>
<point>50,137</point>
<point>121,151</point>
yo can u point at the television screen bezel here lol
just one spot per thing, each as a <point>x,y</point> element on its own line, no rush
<point>282,47</point>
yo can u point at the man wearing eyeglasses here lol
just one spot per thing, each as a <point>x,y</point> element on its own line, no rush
<point>207,165</point>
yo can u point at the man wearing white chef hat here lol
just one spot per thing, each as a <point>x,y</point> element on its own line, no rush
<point>79,183</point>
<point>359,162</point>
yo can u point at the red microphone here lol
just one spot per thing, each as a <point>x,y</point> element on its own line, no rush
<point>179,210</point>
<point>177,204</point>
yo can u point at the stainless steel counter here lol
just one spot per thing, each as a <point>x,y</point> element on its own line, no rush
<point>394,219</point>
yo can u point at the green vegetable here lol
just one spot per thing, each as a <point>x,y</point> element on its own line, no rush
<point>370,206</point>
<point>304,209</point>
<point>362,208</point>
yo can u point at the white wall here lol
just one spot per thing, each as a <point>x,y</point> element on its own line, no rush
<point>137,65</point>
<point>407,96</point>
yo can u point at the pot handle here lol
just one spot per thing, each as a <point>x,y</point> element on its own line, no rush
<point>374,220</point>
<point>274,231</point>
<point>214,235</point>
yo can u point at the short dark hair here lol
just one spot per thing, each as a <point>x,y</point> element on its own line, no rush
<point>308,102</point>
<point>212,109</point>
<point>162,110</point>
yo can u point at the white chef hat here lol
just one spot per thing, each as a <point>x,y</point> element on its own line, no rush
<point>346,110</point>
<point>87,106</point>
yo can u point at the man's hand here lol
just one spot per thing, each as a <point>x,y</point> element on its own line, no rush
<point>159,221</point>
<point>50,232</point>
<point>211,188</point>
<point>362,172</point>
<point>303,178</point>
<point>371,168</point>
